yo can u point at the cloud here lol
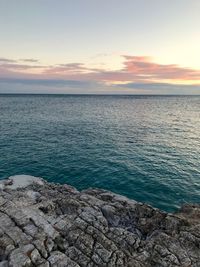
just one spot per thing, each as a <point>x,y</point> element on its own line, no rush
<point>158,86</point>
<point>7,60</point>
<point>50,86</point>
<point>45,82</point>
<point>66,69</point>
<point>38,86</point>
<point>16,67</point>
<point>143,67</point>
<point>31,60</point>
<point>136,73</point>
<point>135,69</point>
<point>73,66</point>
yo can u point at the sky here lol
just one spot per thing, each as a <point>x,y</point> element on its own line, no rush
<point>100,46</point>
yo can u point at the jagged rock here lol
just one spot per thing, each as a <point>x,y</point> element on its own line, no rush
<point>36,258</point>
<point>18,257</point>
<point>4,264</point>
<point>44,224</point>
<point>59,259</point>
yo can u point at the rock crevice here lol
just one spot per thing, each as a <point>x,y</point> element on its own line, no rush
<point>45,224</point>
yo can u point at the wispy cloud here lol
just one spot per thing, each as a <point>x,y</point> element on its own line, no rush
<point>67,69</point>
<point>7,60</point>
<point>16,67</point>
<point>45,82</point>
<point>30,60</point>
<point>145,68</point>
<point>136,72</point>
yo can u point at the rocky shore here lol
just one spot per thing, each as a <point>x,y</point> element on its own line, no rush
<point>45,224</point>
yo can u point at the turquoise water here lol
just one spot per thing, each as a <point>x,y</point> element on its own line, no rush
<point>144,147</point>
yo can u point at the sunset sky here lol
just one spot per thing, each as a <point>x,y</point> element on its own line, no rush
<point>103,47</point>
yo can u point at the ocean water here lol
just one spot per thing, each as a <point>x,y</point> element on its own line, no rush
<point>143,147</point>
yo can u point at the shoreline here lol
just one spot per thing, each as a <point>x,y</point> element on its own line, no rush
<point>47,224</point>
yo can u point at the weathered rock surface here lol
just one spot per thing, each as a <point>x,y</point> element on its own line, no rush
<point>44,224</point>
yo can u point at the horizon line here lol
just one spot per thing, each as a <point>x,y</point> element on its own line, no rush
<point>92,94</point>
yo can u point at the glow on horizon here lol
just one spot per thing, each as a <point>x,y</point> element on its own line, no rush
<point>128,69</point>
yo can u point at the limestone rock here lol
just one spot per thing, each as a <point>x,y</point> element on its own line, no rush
<point>44,224</point>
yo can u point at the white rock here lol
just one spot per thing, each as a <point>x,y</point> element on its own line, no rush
<point>20,181</point>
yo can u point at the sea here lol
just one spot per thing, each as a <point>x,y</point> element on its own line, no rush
<point>144,147</point>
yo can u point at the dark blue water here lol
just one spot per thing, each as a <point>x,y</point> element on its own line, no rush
<point>144,147</point>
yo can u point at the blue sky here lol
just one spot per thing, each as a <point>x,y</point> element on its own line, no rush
<point>107,46</point>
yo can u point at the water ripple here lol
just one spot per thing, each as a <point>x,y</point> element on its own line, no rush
<point>146,148</point>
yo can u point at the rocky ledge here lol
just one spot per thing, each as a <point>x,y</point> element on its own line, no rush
<point>46,224</point>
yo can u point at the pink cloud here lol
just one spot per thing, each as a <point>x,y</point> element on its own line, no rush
<point>145,67</point>
<point>135,69</point>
